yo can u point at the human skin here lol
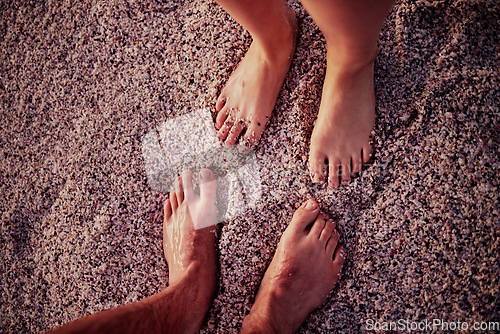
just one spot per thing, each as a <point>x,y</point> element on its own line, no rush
<point>341,139</point>
<point>192,266</point>
<point>292,287</point>
<point>305,268</point>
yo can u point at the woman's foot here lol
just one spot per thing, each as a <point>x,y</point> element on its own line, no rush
<point>341,139</point>
<point>246,102</point>
<point>304,270</point>
<point>190,252</point>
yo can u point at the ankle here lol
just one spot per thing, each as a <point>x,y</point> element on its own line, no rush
<point>264,322</point>
<point>199,284</point>
<point>350,61</point>
<point>183,305</point>
<point>266,316</point>
<point>279,41</point>
<point>275,53</point>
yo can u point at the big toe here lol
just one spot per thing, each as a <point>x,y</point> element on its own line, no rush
<point>224,123</point>
<point>208,185</point>
<point>305,215</point>
<point>317,165</point>
<point>221,102</point>
<point>222,115</point>
<point>187,185</point>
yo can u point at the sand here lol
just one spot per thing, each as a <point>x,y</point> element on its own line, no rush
<point>82,82</point>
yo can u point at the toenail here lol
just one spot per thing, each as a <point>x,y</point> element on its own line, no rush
<point>204,174</point>
<point>315,177</point>
<point>310,205</point>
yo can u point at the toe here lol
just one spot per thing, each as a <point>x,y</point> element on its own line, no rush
<point>173,201</point>
<point>338,259</point>
<point>367,153</point>
<point>179,193</point>
<point>317,166</point>
<point>357,163</point>
<point>305,215</point>
<point>333,174</point>
<point>208,185</point>
<point>187,182</point>
<point>226,127</point>
<point>345,172</point>
<point>167,210</point>
<point>327,232</point>
<point>221,101</point>
<point>221,117</point>
<point>253,133</point>
<point>318,226</point>
<point>332,243</point>
<point>235,131</point>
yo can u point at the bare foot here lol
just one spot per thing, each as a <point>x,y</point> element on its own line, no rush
<point>245,104</point>
<point>190,252</point>
<point>304,270</point>
<point>341,138</point>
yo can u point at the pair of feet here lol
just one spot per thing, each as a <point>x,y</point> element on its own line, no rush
<point>340,142</point>
<point>305,267</point>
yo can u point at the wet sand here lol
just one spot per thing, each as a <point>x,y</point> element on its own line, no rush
<point>81,84</point>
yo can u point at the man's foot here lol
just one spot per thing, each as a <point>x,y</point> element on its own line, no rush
<point>245,104</point>
<point>304,270</point>
<point>341,138</point>
<point>190,252</point>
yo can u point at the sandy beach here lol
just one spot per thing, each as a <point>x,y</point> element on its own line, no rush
<point>81,84</point>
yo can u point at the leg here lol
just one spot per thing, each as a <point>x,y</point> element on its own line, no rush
<point>346,117</point>
<point>245,104</point>
<point>304,270</point>
<point>190,253</point>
